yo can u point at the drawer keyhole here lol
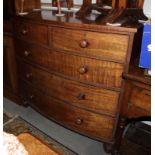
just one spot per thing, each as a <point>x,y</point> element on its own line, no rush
<point>81,96</point>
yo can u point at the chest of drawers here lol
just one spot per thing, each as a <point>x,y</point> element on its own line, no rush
<point>72,71</point>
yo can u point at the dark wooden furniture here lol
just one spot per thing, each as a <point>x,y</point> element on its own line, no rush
<point>136,102</point>
<point>10,84</point>
<point>101,6</point>
<point>137,95</point>
<point>71,71</point>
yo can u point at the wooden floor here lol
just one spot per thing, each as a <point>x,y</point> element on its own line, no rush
<point>137,140</point>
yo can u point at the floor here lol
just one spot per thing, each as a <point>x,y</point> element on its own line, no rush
<point>76,142</point>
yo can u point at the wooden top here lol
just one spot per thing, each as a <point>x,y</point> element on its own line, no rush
<point>137,74</point>
<point>70,20</point>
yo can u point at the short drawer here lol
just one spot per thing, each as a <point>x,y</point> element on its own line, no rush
<point>89,97</point>
<point>102,45</point>
<point>104,73</point>
<point>140,98</point>
<point>88,123</point>
<point>31,32</point>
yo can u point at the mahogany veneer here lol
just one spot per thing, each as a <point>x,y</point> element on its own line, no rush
<point>71,71</point>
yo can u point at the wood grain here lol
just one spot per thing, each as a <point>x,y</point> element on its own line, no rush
<point>88,97</point>
<point>140,98</point>
<point>105,73</point>
<point>136,100</point>
<point>28,31</point>
<point>85,122</point>
<point>103,45</point>
<point>9,64</point>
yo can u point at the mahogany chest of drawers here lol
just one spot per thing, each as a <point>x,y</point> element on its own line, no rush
<point>71,71</point>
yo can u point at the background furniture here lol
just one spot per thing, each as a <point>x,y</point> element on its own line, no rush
<point>26,5</point>
<point>10,84</point>
<point>101,6</point>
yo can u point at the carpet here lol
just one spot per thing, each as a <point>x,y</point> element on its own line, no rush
<point>21,128</point>
<point>6,117</point>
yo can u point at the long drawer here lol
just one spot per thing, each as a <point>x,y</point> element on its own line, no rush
<point>29,31</point>
<point>102,45</point>
<point>88,123</point>
<point>104,73</point>
<point>91,98</point>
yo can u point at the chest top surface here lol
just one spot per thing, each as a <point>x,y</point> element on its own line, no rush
<point>92,22</point>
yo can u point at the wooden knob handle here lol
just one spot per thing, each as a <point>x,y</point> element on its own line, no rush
<point>24,31</point>
<point>28,75</point>
<point>83,43</point>
<point>83,70</point>
<point>26,53</point>
<point>31,96</point>
<point>79,121</point>
<point>81,96</point>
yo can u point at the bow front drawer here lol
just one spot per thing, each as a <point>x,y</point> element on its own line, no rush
<point>89,97</point>
<point>88,123</point>
<point>31,32</point>
<point>97,72</point>
<point>101,45</point>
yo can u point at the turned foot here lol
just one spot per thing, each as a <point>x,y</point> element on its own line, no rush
<point>115,152</point>
<point>109,148</point>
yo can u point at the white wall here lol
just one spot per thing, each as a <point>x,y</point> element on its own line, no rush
<point>147,8</point>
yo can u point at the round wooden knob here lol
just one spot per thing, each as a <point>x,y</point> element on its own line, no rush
<point>83,70</point>
<point>28,75</point>
<point>79,121</point>
<point>26,53</point>
<point>31,96</point>
<point>81,96</point>
<point>24,31</point>
<point>83,43</point>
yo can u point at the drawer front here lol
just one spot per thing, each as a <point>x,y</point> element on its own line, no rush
<point>88,70</point>
<point>91,98</point>
<point>102,45</point>
<point>140,98</point>
<point>85,122</point>
<point>32,32</point>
